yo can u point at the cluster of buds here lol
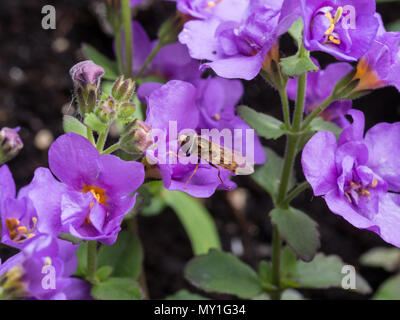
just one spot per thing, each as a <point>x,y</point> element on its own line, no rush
<point>86,76</point>
<point>137,137</point>
<point>10,144</point>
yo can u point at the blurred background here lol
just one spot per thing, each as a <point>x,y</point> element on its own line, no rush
<point>36,90</point>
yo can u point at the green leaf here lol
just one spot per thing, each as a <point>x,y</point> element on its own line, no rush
<point>155,207</point>
<point>325,272</point>
<point>299,231</point>
<point>196,220</point>
<point>125,256</point>
<point>265,125</point>
<point>185,295</point>
<point>265,274</point>
<point>222,272</point>
<point>117,289</point>
<point>95,123</point>
<point>268,175</point>
<point>81,254</point>
<point>296,65</point>
<point>389,290</point>
<point>386,258</point>
<point>319,124</point>
<point>296,31</point>
<point>110,67</point>
<point>71,124</point>
<point>103,273</point>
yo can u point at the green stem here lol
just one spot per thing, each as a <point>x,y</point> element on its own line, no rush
<point>111,149</point>
<point>290,155</point>
<point>285,105</point>
<point>102,141</point>
<point>127,24</point>
<point>276,258</point>
<point>118,43</point>
<point>149,58</point>
<point>90,136</point>
<point>295,192</point>
<point>91,261</point>
<point>316,112</point>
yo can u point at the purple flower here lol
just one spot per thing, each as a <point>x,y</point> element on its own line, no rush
<point>216,100</point>
<point>222,9</point>
<point>357,176</point>
<point>176,101</point>
<point>42,271</point>
<point>235,45</point>
<point>10,144</point>
<point>342,28</point>
<point>136,2</point>
<point>35,211</point>
<point>99,188</point>
<point>320,86</point>
<point>86,72</point>
<point>380,66</point>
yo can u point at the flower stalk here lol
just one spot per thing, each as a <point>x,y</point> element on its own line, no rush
<point>127,25</point>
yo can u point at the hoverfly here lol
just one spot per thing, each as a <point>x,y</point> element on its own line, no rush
<point>215,154</point>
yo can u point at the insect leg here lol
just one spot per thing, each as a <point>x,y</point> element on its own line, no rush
<point>219,170</point>
<point>194,171</point>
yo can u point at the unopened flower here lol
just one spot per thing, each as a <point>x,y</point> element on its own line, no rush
<point>42,270</point>
<point>10,144</point>
<point>358,176</point>
<point>100,188</point>
<point>137,137</point>
<point>86,72</point>
<point>342,28</point>
<point>320,86</point>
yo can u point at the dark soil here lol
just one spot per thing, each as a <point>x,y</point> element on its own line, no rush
<point>35,91</point>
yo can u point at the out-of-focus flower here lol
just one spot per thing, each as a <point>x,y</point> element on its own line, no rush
<point>42,271</point>
<point>380,66</point>
<point>100,188</point>
<point>342,28</point>
<point>10,144</point>
<point>320,86</point>
<point>358,176</point>
<point>235,44</point>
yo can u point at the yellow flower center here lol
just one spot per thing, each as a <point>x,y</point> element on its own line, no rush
<point>19,233</point>
<point>333,20</point>
<point>98,193</point>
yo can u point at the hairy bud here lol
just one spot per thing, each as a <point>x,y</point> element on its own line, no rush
<point>10,144</point>
<point>137,137</point>
<point>122,89</point>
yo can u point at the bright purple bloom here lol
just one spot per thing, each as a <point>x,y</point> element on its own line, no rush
<point>86,72</point>
<point>342,28</point>
<point>216,100</point>
<point>42,271</point>
<point>176,101</point>
<point>221,9</point>
<point>320,86</point>
<point>235,44</point>
<point>357,176</point>
<point>99,188</point>
<point>136,2</point>
<point>380,66</point>
<point>35,211</point>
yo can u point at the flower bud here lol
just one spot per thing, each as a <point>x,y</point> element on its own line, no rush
<point>10,144</point>
<point>107,109</point>
<point>122,89</point>
<point>86,72</point>
<point>137,137</point>
<point>86,76</point>
<point>126,110</point>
